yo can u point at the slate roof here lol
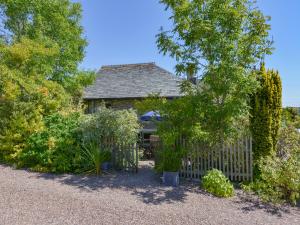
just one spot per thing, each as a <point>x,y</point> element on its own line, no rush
<point>133,81</point>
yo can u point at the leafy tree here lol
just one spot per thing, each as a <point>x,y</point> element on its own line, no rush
<point>181,118</point>
<point>219,41</point>
<point>266,113</point>
<point>25,94</point>
<point>54,21</point>
<point>41,47</point>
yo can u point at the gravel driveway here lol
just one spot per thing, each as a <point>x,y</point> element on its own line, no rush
<point>34,198</point>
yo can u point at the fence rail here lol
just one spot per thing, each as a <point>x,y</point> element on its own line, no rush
<point>234,160</point>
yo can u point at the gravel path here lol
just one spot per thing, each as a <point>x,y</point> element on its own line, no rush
<point>34,198</point>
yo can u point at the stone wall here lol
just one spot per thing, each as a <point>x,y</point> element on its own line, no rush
<point>93,105</point>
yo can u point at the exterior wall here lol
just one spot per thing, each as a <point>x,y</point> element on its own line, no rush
<point>118,104</point>
<point>94,104</point>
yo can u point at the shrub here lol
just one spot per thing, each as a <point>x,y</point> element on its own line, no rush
<point>289,142</point>
<point>120,125</point>
<point>170,159</point>
<point>56,148</point>
<point>93,157</point>
<point>217,184</point>
<point>279,179</point>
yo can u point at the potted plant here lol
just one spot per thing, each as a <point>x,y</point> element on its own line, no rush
<point>171,161</point>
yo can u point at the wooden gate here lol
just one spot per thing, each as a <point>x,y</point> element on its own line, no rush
<point>124,156</point>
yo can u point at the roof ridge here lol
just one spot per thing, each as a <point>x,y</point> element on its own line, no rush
<point>129,64</point>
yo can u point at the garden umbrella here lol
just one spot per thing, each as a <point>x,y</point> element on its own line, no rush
<point>150,116</point>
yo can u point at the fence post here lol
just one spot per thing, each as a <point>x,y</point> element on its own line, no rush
<point>137,157</point>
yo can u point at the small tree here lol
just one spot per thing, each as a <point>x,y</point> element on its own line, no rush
<point>219,41</point>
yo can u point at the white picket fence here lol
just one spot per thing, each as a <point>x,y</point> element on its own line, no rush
<point>234,160</point>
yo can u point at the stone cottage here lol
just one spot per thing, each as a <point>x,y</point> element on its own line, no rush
<point>118,86</point>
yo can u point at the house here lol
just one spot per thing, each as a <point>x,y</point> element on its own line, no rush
<point>118,86</point>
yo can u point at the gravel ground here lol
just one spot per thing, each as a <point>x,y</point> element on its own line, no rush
<point>35,198</point>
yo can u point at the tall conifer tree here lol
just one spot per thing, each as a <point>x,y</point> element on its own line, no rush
<point>266,112</point>
<point>276,104</point>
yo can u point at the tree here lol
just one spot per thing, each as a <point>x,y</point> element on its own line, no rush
<point>40,48</point>
<point>266,110</point>
<point>219,41</point>
<point>25,93</point>
<point>276,107</point>
<point>56,22</point>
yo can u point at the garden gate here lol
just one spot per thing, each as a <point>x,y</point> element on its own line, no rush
<point>124,156</point>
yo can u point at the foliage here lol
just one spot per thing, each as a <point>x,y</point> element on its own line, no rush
<point>266,113</point>
<point>170,159</point>
<point>26,95</point>
<point>153,102</point>
<point>217,184</point>
<point>119,125</point>
<point>219,41</point>
<point>291,116</point>
<point>56,148</point>
<point>289,141</point>
<point>185,122</point>
<point>280,173</point>
<point>94,157</point>
<point>73,142</point>
<point>38,66</point>
<point>54,21</point>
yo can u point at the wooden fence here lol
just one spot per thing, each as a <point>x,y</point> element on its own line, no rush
<point>124,156</point>
<point>234,160</point>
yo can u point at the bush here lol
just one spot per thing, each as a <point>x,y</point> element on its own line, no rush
<point>56,148</point>
<point>288,143</point>
<point>279,179</point>
<point>170,159</point>
<point>70,143</point>
<point>121,126</point>
<point>217,184</point>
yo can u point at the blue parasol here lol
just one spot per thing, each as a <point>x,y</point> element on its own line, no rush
<point>150,116</point>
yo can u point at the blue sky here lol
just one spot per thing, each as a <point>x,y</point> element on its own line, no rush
<point>121,31</point>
